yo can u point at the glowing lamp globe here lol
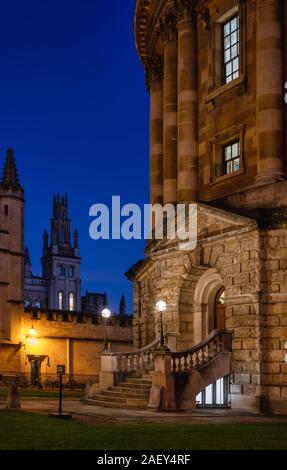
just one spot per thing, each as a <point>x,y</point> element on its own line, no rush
<point>106,313</point>
<point>32,332</point>
<point>161,306</point>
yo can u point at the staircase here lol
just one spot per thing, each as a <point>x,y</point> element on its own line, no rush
<point>185,374</point>
<point>131,394</point>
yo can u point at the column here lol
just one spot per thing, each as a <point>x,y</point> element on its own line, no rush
<point>155,83</point>
<point>169,36</point>
<point>188,149</point>
<point>269,91</point>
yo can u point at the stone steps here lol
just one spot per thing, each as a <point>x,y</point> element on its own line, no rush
<point>132,394</point>
<point>111,404</point>
<point>121,400</point>
<point>127,393</point>
<point>139,385</point>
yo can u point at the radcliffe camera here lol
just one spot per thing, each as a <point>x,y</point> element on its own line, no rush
<point>143,231</point>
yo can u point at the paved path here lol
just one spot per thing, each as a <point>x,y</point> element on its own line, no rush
<point>96,415</point>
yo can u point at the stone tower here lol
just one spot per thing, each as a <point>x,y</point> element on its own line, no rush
<point>61,260</point>
<point>11,250</point>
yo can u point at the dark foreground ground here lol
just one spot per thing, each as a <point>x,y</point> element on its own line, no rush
<point>26,431</point>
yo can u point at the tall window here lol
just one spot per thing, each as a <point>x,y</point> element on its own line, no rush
<point>231,157</point>
<point>72,302</point>
<point>231,44</point>
<point>60,300</point>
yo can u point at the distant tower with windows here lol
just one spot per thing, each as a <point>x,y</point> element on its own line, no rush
<point>61,260</point>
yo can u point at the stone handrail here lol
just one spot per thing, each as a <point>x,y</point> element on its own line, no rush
<point>137,361</point>
<point>199,356</point>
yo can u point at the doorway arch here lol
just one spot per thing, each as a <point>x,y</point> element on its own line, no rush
<point>205,297</point>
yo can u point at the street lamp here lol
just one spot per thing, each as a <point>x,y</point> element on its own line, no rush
<point>32,332</point>
<point>106,313</point>
<point>161,307</point>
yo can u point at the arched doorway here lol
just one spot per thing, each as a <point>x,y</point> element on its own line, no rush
<point>219,310</point>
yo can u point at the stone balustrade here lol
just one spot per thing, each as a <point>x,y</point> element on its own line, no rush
<point>139,361</point>
<point>203,353</point>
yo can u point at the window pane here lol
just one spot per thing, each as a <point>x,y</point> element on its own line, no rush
<point>235,75</point>
<point>234,24</point>
<point>208,395</point>
<point>234,38</point>
<point>227,42</point>
<point>235,149</point>
<point>71,302</point>
<point>228,153</point>
<point>199,399</point>
<point>60,300</point>
<point>229,167</point>
<point>235,65</point>
<point>226,29</point>
<point>236,164</point>
<point>227,56</point>
<point>228,69</point>
<point>234,51</point>
<point>219,392</point>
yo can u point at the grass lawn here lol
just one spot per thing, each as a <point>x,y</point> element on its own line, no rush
<point>41,393</point>
<point>26,431</point>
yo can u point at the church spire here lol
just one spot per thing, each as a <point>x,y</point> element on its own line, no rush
<point>27,258</point>
<point>122,310</point>
<point>10,178</point>
<point>27,263</point>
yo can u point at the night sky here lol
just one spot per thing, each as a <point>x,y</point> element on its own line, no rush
<point>73,105</point>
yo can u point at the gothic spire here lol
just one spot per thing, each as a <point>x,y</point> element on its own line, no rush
<point>27,258</point>
<point>10,178</point>
<point>122,309</point>
<point>76,238</point>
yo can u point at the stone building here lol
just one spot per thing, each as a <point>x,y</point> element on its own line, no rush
<point>35,339</point>
<point>215,70</point>
<point>59,287</point>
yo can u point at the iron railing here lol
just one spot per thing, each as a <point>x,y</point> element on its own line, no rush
<point>45,381</point>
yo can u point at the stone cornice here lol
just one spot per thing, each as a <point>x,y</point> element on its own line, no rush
<point>156,20</point>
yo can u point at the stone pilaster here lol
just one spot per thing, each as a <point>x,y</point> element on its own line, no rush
<point>167,29</point>
<point>154,70</point>
<point>187,105</point>
<point>269,91</point>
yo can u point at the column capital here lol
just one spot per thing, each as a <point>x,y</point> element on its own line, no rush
<point>153,70</point>
<point>184,10</point>
<point>167,25</point>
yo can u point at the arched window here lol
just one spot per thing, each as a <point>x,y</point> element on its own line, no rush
<point>60,300</point>
<point>72,302</point>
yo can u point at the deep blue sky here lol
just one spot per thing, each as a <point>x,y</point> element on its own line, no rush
<point>73,105</point>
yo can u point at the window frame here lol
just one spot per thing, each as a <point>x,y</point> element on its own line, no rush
<point>232,159</point>
<point>221,140</point>
<point>223,50</point>
<point>216,85</point>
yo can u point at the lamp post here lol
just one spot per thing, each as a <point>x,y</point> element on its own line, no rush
<point>161,307</point>
<point>106,313</point>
